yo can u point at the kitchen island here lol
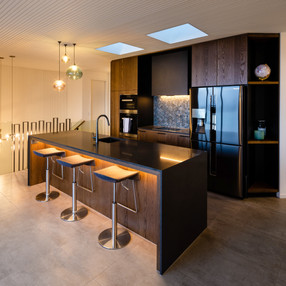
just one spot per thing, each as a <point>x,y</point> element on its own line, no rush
<point>171,190</point>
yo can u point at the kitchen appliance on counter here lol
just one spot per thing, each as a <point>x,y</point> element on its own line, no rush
<point>128,116</point>
<point>216,126</point>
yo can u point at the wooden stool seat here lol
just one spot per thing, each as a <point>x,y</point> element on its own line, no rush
<point>49,152</point>
<point>115,174</point>
<point>75,161</point>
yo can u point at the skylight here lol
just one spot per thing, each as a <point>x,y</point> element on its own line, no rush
<point>119,49</point>
<point>178,34</point>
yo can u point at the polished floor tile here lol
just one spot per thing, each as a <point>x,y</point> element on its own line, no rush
<point>244,244</point>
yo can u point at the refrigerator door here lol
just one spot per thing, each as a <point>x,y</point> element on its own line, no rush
<point>226,112</point>
<point>200,113</point>
<point>225,168</point>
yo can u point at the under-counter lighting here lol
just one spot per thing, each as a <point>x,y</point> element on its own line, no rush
<point>178,34</point>
<point>119,49</point>
<point>175,96</point>
<point>171,159</point>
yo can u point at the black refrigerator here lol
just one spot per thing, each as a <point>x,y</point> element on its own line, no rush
<point>217,127</point>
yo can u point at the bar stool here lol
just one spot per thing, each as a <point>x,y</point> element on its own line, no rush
<point>48,153</point>
<point>74,214</point>
<point>112,238</point>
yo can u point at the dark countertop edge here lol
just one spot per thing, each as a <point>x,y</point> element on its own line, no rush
<point>101,157</point>
<point>153,128</point>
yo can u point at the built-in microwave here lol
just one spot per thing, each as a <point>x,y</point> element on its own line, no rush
<point>128,102</point>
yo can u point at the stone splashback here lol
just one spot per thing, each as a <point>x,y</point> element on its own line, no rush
<point>172,111</point>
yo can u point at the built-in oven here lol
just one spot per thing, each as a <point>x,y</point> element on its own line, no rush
<point>128,116</point>
<point>128,102</point>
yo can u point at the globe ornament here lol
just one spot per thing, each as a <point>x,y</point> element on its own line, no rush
<point>262,71</point>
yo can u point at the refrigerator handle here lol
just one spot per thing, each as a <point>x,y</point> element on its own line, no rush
<point>212,169</point>
<point>207,123</point>
<point>240,115</point>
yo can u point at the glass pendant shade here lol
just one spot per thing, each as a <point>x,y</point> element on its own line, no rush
<point>65,59</point>
<point>59,85</point>
<point>74,72</point>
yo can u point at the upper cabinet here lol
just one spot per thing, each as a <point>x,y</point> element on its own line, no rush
<point>170,73</point>
<point>220,62</point>
<point>124,74</point>
<point>232,60</point>
<point>204,64</point>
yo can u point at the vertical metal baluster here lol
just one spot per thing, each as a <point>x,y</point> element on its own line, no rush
<point>55,124</point>
<point>48,124</point>
<point>23,141</point>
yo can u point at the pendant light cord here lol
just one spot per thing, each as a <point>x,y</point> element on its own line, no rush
<point>59,59</point>
<point>74,53</point>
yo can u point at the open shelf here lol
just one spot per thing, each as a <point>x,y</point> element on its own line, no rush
<point>261,187</point>
<point>263,141</point>
<point>263,82</point>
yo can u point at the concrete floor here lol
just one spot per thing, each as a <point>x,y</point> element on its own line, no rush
<point>244,244</point>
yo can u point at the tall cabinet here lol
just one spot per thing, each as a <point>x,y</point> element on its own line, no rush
<point>124,80</point>
<point>262,162</point>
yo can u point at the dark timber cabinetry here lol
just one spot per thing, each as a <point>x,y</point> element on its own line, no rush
<point>220,62</point>
<point>263,104</point>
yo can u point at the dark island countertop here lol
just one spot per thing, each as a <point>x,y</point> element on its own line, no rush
<point>153,156</point>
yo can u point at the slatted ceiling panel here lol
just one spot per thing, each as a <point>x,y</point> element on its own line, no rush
<point>30,29</point>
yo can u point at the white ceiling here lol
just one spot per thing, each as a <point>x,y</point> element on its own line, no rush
<point>30,29</point>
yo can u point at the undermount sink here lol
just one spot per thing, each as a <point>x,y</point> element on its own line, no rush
<point>108,139</point>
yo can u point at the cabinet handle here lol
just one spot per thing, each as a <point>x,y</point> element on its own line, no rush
<point>141,131</point>
<point>184,136</point>
<point>161,133</point>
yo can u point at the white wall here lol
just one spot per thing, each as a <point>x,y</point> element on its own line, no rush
<point>282,139</point>
<point>33,97</point>
<point>87,100</point>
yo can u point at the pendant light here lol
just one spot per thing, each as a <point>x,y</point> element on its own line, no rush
<point>74,72</point>
<point>59,84</point>
<point>65,58</point>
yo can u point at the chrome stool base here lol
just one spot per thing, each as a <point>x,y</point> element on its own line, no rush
<point>42,197</point>
<point>122,239</point>
<point>68,215</point>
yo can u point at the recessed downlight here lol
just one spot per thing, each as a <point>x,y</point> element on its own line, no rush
<point>119,49</point>
<point>178,34</point>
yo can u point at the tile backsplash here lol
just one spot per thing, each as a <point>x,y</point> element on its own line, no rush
<point>172,111</point>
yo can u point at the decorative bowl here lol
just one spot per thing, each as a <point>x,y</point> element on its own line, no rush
<point>262,71</point>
